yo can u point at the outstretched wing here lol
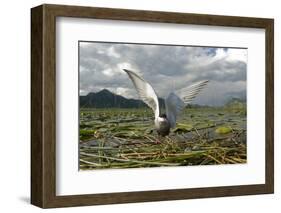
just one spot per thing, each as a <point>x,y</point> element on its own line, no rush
<point>145,91</point>
<point>187,94</point>
<point>175,103</point>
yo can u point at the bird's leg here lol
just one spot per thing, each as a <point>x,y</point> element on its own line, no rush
<point>158,139</point>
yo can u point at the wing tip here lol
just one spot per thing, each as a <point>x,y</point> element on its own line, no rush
<point>130,72</point>
<point>204,82</point>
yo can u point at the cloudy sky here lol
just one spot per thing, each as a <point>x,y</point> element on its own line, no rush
<point>166,68</point>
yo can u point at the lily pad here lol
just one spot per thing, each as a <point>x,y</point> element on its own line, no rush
<point>183,127</point>
<point>223,130</point>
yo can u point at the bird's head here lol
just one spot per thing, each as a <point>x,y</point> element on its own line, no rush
<point>163,116</point>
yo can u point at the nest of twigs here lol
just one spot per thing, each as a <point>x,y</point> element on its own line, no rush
<point>179,149</point>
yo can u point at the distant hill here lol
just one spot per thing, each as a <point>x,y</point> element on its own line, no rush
<point>107,99</point>
<point>236,103</point>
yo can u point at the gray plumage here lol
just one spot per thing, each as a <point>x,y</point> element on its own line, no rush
<point>174,103</point>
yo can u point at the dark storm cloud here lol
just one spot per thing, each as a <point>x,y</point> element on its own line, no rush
<point>165,67</point>
<point>222,70</point>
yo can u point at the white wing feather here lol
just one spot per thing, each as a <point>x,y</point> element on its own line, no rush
<point>145,91</point>
<point>175,103</point>
<point>187,94</point>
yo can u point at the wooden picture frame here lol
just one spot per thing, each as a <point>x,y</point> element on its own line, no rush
<point>43,105</point>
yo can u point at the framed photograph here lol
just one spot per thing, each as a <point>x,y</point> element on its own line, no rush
<point>137,106</point>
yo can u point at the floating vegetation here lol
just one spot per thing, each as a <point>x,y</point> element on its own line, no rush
<point>223,130</point>
<point>125,138</point>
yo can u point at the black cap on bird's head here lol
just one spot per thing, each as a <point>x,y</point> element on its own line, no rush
<point>163,115</point>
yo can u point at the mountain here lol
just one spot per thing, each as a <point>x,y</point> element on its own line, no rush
<point>107,99</point>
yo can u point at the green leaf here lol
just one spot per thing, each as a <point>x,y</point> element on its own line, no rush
<point>183,127</point>
<point>223,130</point>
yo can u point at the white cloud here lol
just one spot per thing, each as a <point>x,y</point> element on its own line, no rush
<point>165,67</point>
<point>108,72</point>
<point>124,92</point>
<point>112,72</point>
<point>125,65</point>
<point>111,52</point>
<point>237,55</point>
